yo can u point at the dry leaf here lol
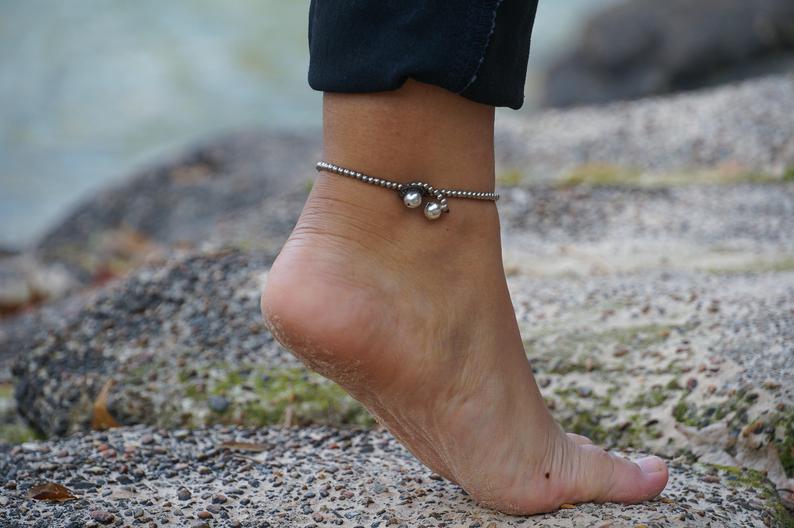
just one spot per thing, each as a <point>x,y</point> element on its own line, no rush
<point>245,446</point>
<point>101,418</point>
<point>51,492</point>
<point>567,506</point>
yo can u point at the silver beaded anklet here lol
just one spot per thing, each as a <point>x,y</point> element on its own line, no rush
<point>412,193</point>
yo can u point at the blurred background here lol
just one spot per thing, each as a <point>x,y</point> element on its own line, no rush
<point>91,89</point>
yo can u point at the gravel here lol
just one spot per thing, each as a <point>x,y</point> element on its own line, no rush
<point>315,476</point>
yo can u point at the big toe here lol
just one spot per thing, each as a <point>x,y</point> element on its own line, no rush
<point>606,477</point>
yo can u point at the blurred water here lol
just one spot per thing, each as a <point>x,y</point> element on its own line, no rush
<point>90,89</point>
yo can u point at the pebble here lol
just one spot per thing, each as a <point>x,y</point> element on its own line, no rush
<point>218,404</point>
<point>101,516</point>
<point>183,494</point>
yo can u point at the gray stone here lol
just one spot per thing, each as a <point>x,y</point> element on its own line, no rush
<point>697,495</point>
<point>710,135</point>
<point>182,200</point>
<point>639,48</point>
<point>218,404</point>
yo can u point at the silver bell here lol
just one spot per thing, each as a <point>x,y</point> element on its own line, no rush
<point>433,210</point>
<point>412,199</point>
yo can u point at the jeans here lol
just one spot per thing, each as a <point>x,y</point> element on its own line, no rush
<point>476,48</point>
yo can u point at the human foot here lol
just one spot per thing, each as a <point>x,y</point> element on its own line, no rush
<point>415,321</point>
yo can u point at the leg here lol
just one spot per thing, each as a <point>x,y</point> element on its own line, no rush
<point>414,318</point>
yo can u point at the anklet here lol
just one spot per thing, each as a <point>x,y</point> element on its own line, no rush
<point>412,193</point>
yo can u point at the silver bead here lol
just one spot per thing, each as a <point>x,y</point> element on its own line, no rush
<point>432,211</point>
<point>412,199</point>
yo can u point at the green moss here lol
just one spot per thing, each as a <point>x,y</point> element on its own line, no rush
<point>289,395</point>
<point>232,379</point>
<point>510,178</point>
<point>673,385</point>
<point>788,174</point>
<point>784,441</point>
<point>681,412</point>
<point>567,367</point>
<point>734,408</point>
<point>653,398</point>
<point>758,482</point>
<point>586,422</point>
<point>556,353</point>
<point>779,265</point>
<point>596,174</point>
<point>195,392</point>
<point>18,433</point>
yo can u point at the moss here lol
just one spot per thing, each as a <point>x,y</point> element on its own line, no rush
<point>567,367</point>
<point>232,379</point>
<point>681,412</point>
<point>734,408</point>
<point>758,482</point>
<point>595,174</point>
<point>510,178</point>
<point>653,398</point>
<point>788,174</point>
<point>18,433</point>
<point>780,265</point>
<point>673,385</point>
<point>783,426</point>
<point>586,423</point>
<point>288,395</point>
<point>593,344</point>
<point>195,391</point>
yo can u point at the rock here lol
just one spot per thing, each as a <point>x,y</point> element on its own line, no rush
<point>712,135</point>
<point>643,47</point>
<point>219,404</point>
<point>25,281</point>
<point>102,516</point>
<point>744,497</point>
<point>183,494</point>
<point>186,201</point>
<point>173,336</point>
<point>648,265</point>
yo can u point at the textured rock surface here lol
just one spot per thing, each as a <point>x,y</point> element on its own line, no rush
<point>182,201</point>
<point>653,317</point>
<point>645,47</point>
<point>316,477</point>
<point>656,314</point>
<point>743,128</point>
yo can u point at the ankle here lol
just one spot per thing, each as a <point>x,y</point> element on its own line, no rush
<point>351,215</point>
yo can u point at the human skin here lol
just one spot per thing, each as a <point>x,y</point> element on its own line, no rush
<point>413,317</point>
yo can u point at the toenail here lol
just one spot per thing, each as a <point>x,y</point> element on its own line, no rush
<point>651,464</point>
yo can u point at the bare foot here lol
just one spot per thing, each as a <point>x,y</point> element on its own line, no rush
<point>414,320</point>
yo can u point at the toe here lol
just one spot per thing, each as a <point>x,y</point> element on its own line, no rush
<point>611,478</point>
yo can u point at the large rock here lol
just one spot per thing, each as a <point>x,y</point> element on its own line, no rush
<point>738,131</point>
<point>196,199</point>
<point>645,47</point>
<point>176,345</point>
<point>317,476</point>
<point>656,317</point>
